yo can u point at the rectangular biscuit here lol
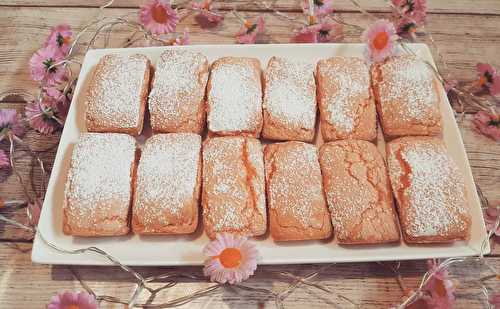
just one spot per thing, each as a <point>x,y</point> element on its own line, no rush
<point>99,185</point>
<point>233,196</point>
<point>346,105</point>
<point>177,98</point>
<point>429,189</point>
<point>358,193</point>
<point>117,94</point>
<point>407,95</point>
<point>297,206</point>
<point>289,106</point>
<point>168,185</point>
<point>234,94</point>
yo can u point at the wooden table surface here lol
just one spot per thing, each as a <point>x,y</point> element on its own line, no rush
<point>466,32</point>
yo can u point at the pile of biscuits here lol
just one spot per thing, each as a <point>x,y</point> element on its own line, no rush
<point>300,192</point>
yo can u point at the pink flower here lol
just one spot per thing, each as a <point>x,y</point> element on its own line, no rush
<point>41,115</point>
<point>325,31</point>
<point>34,209</point>
<point>249,31</point>
<point>60,36</point>
<point>9,123</point>
<point>440,288</point>
<point>158,16</point>
<point>449,84</point>
<point>407,28</point>
<point>488,78</point>
<point>490,218</point>
<point>73,300</point>
<point>495,300</point>
<point>413,9</point>
<point>62,100</point>
<point>321,7</point>
<point>182,39</point>
<point>379,39</point>
<point>307,34</point>
<point>205,13</point>
<point>4,159</point>
<point>488,124</point>
<point>230,258</point>
<point>41,65</point>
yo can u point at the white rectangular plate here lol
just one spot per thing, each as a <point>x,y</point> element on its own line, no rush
<point>187,250</point>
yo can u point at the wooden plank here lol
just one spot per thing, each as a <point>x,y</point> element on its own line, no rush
<point>464,40</point>
<point>435,6</point>
<point>369,284</point>
<point>10,188</point>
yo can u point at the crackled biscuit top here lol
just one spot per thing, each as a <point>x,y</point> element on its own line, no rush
<point>358,192</point>
<point>428,186</point>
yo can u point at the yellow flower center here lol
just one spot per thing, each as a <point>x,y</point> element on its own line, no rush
<point>440,288</point>
<point>73,307</point>
<point>482,80</point>
<point>159,14</point>
<point>380,41</point>
<point>230,257</point>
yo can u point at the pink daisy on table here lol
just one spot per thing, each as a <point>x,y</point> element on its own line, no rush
<point>488,78</point>
<point>41,65</point>
<point>321,7</point>
<point>414,9</point>
<point>10,123</point>
<point>249,31</point>
<point>4,159</point>
<point>60,36</point>
<point>182,39</point>
<point>495,300</point>
<point>490,219</point>
<point>73,300</point>
<point>205,12</point>
<point>159,17</point>
<point>307,34</point>
<point>41,115</point>
<point>380,38</point>
<point>488,124</point>
<point>330,31</point>
<point>440,288</point>
<point>230,258</point>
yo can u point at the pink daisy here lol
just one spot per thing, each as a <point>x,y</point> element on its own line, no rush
<point>495,300</point>
<point>159,17</point>
<point>379,39</point>
<point>205,13</point>
<point>41,115</point>
<point>4,159</point>
<point>488,124</point>
<point>330,31</point>
<point>62,101</point>
<point>321,7</point>
<point>230,258</point>
<point>249,31</point>
<point>60,36</point>
<point>490,219</point>
<point>34,209</point>
<point>488,78</point>
<point>10,123</point>
<point>307,34</point>
<point>440,288</point>
<point>406,27</point>
<point>41,65</point>
<point>414,9</point>
<point>73,300</point>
